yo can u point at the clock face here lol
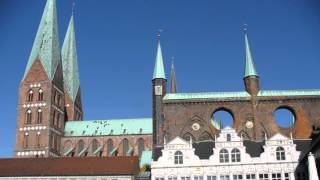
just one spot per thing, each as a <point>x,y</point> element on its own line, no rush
<point>195,126</point>
<point>249,124</point>
<point>158,90</point>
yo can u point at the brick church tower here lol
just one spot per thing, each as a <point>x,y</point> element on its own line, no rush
<point>40,120</point>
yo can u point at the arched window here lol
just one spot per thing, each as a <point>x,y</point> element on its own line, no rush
<point>280,153</point>
<point>125,146</point>
<point>40,95</point>
<point>80,146</point>
<point>235,155</point>
<point>38,140</point>
<point>178,157</point>
<point>30,96</point>
<point>224,156</point>
<point>140,146</point>
<point>109,146</point>
<point>25,140</point>
<point>94,145</point>
<point>28,116</point>
<point>39,117</point>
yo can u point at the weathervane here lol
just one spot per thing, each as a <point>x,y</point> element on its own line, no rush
<point>159,33</point>
<point>245,28</point>
<point>73,6</point>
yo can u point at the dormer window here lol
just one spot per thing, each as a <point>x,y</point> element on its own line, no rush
<point>228,137</point>
<point>178,157</point>
<point>280,153</point>
<point>30,96</point>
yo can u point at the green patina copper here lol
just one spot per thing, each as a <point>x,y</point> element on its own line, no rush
<point>241,94</point>
<point>308,92</point>
<point>69,62</point>
<point>207,95</point>
<point>250,68</point>
<point>113,127</point>
<point>46,44</point>
<point>146,158</point>
<point>158,72</point>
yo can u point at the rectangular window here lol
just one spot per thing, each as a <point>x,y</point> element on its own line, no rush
<point>237,177</point>
<point>224,177</point>
<point>185,178</point>
<point>172,178</point>
<point>286,176</point>
<point>263,177</point>
<point>198,178</point>
<point>159,178</point>
<point>276,176</point>
<point>211,178</point>
<point>251,176</point>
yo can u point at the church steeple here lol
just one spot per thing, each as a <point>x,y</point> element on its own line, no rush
<point>46,44</point>
<point>251,78</point>
<point>158,72</point>
<point>250,68</point>
<point>173,85</point>
<point>71,74</point>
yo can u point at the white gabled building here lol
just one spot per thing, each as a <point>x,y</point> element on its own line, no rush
<point>230,157</point>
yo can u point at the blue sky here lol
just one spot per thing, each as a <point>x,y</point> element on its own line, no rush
<point>116,41</point>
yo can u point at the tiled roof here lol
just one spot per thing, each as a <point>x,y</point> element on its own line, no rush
<point>109,127</point>
<point>69,166</point>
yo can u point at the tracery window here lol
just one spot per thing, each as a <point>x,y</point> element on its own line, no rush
<point>39,116</point>
<point>280,153</point>
<point>80,146</point>
<point>94,145</point>
<point>235,155</point>
<point>30,96</point>
<point>28,116</point>
<point>224,156</point>
<point>178,157</point>
<point>125,146</point>
<point>140,146</point>
<point>109,146</point>
<point>40,95</point>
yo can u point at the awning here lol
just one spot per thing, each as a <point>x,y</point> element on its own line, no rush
<point>68,151</point>
<point>82,152</point>
<point>97,150</point>
<point>113,151</point>
<point>129,152</point>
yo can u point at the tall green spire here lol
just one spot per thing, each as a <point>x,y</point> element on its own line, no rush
<point>46,44</point>
<point>250,68</point>
<point>173,83</point>
<point>158,72</point>
<point>69,62</point>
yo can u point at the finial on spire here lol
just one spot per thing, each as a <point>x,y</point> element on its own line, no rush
<point>159,33</point>
<point>73,7</point>
<point>250,69</point>
<point>245,28</point>
<point>173,83</point>
<point>158,72</point>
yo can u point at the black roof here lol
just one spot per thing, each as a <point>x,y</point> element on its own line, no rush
<point>204,149</point>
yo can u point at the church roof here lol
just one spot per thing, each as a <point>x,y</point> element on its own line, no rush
<point>69,62</point>
<point>239,95</point>
<point>46,44</point>
<point>112,127</point>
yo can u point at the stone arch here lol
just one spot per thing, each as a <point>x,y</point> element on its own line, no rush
<point>225,117</point>
<point>284,116</point>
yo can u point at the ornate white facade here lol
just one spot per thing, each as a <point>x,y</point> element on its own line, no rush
<point>273,159</point>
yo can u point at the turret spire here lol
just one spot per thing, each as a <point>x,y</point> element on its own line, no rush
<point>173,85</point>
<point>46,44</point>
<point>70,63</point>
<point>158,72</point>
<point>250,68</point>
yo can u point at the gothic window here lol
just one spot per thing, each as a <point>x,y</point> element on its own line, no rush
<point>80,146</point>
<point>55,142</point>
<point>30,96</point>
<point>28,116</point>
<point>59,100</point>
<point>58,120</point>
<point>235,155</point>
<point>94,145</point>
<point>125,146</point>
<point>109,146</point>
<point>54,117</point>
<point>38,140</point>
<point>178,157</point>
<point>228,137</point>
<point>25,140</point>
<point>39,116</point>
<point>40,95</point>
<point>280,153</point>
<point>224,156</point>
<point>140,146</point>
